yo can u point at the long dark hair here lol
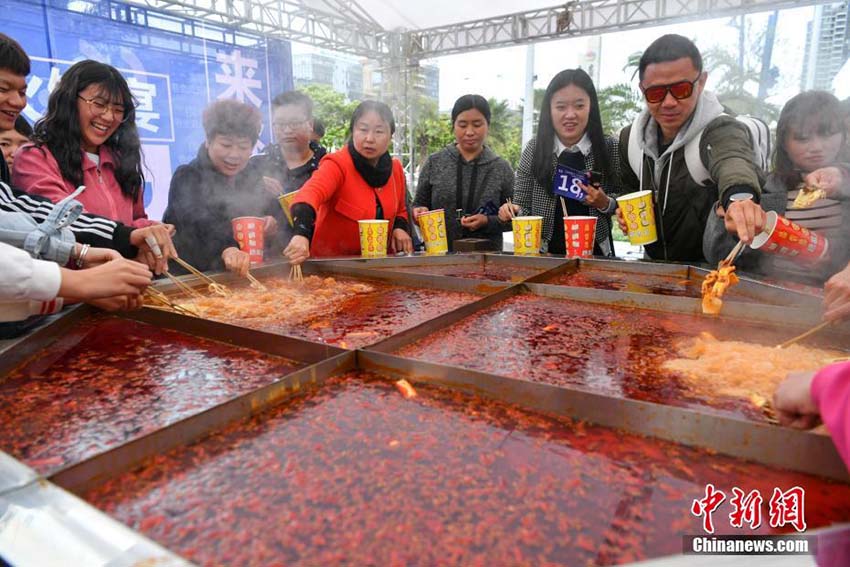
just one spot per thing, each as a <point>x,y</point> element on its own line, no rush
<point>542,163</point>
<point>59,129</point>
<point>811,112</point>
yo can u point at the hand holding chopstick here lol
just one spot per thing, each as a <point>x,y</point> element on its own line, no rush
<point>507,211</point>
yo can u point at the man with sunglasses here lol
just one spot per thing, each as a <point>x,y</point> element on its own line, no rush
<point>679,110</point>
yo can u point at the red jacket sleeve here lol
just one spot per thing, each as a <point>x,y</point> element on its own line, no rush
<point>322,185</point>
<point>401,190</point>
<point>831,393</point>
<point>37,172</point>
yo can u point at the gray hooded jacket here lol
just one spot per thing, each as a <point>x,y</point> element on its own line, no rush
<point>681,204</point>
<point>445,170</point>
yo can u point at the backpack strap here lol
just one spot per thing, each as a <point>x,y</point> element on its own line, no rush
<point>635,153</point>
<point>693,160</point>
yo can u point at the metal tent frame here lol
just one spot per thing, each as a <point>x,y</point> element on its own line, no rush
<point>344,25</point>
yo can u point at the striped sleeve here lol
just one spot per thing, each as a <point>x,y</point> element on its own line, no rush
<point>88,229</point>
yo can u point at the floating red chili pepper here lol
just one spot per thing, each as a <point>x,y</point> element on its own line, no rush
<point>614,351</point>
<point>111,380</point>
<point>469,481</point>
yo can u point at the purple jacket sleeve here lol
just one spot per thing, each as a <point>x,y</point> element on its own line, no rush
<point>831,394</point>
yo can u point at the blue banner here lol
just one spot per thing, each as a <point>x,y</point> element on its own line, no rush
<point>173,76</point>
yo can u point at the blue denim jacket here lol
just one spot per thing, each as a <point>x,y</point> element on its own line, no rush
<point>49,240</point>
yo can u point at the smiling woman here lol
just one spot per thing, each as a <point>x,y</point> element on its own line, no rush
<point>218,186</point>
<point>88,137</point>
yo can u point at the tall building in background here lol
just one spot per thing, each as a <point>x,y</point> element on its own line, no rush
<point>343,73</point>
<point>827,45</point>
<point>430,81</point>
<point>356,78</point>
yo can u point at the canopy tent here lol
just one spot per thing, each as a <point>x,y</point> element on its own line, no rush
<point>400,33</point>
<point>416,30</point>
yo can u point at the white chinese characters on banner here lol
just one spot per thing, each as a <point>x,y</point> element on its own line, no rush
<point>238,74</point>
<point>144,93</point>
<point>35,83</point>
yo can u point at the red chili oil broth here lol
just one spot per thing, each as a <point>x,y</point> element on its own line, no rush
<point>481,271</point>
<point>610,350</point>
<point>354,473</point>
<point>646,283</point>
<point>111,380</point>
<point>370,317</point>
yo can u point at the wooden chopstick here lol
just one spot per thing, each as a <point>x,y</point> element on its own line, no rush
<point>802,336</point>
<point>510,207</point>
<point>182,285</point>
<point>728,260</point>
<point>295,273</point>
<point>255,283</point>
<point>564,207</point>
<point>158,297</point>
<point>214,286</point>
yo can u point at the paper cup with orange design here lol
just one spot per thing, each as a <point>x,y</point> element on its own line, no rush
<point>527,235</point>
<point>579,234</point>
<point>374,235</point>
<point>248,232</point>
<point>786,238</point>
<point>433,227</point>
<point>640,217</point>
<point>286,204</point>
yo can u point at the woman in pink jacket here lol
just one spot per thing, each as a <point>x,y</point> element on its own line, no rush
<point>88,137</point>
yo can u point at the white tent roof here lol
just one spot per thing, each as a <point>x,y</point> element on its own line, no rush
<point>394,14</point>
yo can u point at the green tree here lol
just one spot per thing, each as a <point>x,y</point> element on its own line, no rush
<point>505,131</point>
<point>736,84</point>
<point>432,129</point>
<point>335,111</point>
<point>619,105</point>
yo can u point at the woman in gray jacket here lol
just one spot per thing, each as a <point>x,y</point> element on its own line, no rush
<point>466,178</point>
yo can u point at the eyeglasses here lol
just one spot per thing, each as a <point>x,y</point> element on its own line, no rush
<point>292,125</point>
<point>680,91</point>
<point>99,108</point>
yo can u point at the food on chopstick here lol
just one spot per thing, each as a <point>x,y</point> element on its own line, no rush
<point>807,196</point>
<point>710,367</point>
<point>714,286</point>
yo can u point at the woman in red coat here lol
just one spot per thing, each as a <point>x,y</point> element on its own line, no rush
<point>359,182</point>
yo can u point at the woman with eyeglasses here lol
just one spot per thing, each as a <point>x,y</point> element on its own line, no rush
<point>88,137</point>
<point>569,135</point>
<point>359,182</point>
